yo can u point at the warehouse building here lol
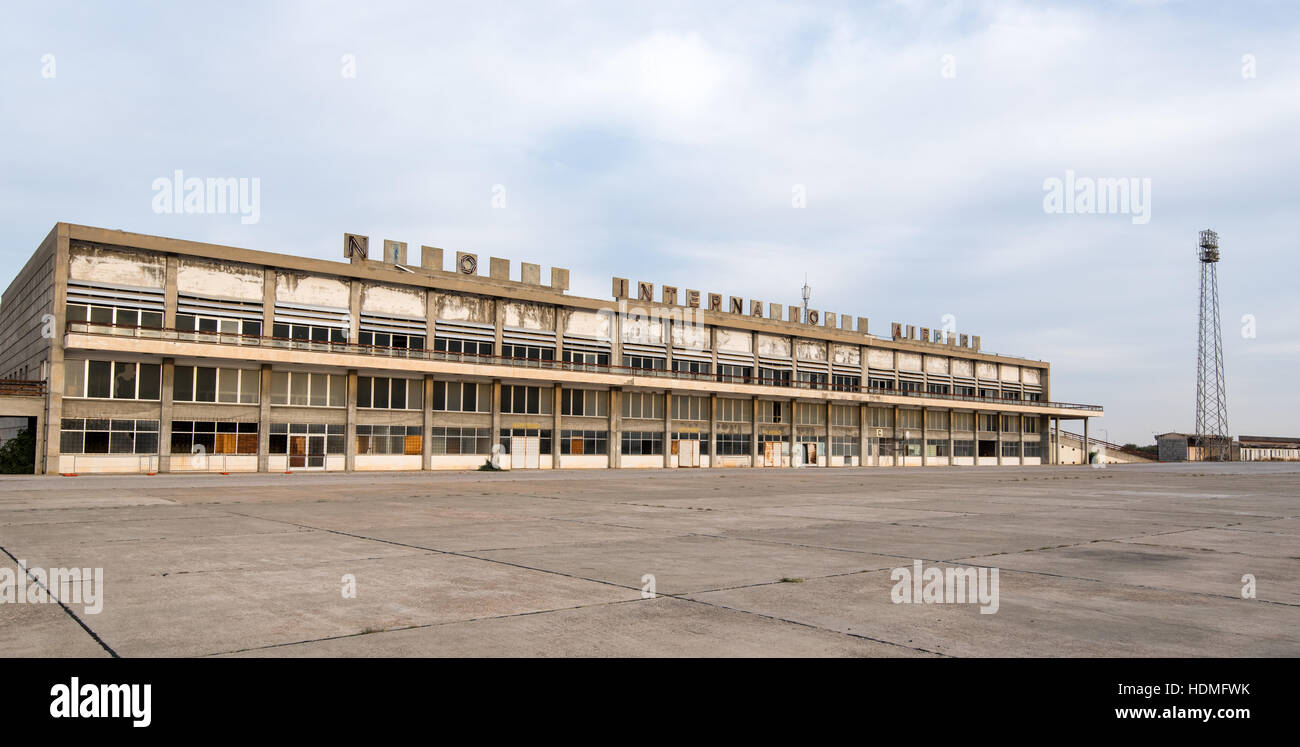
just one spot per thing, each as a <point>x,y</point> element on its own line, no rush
<point>138,353</point>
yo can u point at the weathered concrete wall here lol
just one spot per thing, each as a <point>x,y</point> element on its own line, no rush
<point>23,347</point>
<point>103,264</point>
<point>219,279</point>
<point>691,336</point>
<point>735,341</point>
<point>882,359</point>
<point>458,307</point>
<point>1010,373</point>
<point>963,367</point>
<point>522,315</point>
<point>642,329</point>
<point>987,371</point>
<point>846,355</point>
<point>588,324</point>
<point>935,364</point>
<point>809,350</point>
<point>391,300</point>
<point>770,346</point>
<point>1030,376</point>
<point>909,361</point>
<point>314,290</point>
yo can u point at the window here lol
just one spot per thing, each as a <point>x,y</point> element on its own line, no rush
<point>909,386</point>
<point>218,324</point>
<point>646,405</point>
<point>207,384</point>
<point>588,402</point>
<point>308,442</point>
<point>844,383</point>
<point>963,448</point>
<point>771,411</point>
<point>690,408</point>
<point>910,447</point>
<point>732,444</point>
<point>778,376</point>
<point>1034,396</point>
<point>739,374</point>
<point>213,437</point>
<point>462,396</point>
<point>466,347</point>
<point>936,447</point>
<point>813,379</point>
<point>989,393</point>
<point>936,420</point>
<point>909,419</point>
<point>584,442</point>
<point>936,388</point>
<point>963,421</point>
<point>389,439</point>
<point>112,379</point>
<point>305,389</point>
<point>1010,448</point>
<point>529,352</point>
<point>988,422</point>
<point>1010,423</point>
<point>702,438</point>
<point>806,413</point>
<point>461,440</point>
<point>1030,425</point>
<point>844,415</point>
<point>875,383</point>
<point>964,391</point>
<point>691,367</point>
<point>643,361</point>
<point>543,436</point>
<point>845,446</point>
<point>642,442</point>
<point>308,333</point>
<point>527,400</point>
<point>382,339</point>
<point>381,392</point>
<point>880,417</point>
<point>733,410</point>
<point>117,315</point>
<point>586,358</point>
<point>1034,449</point>
<point>105,436</point>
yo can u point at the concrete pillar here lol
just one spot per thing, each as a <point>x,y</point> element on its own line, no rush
<point>793,444</point>
<point>1020,420</point>
<point>555,428</point>
<point>169,297</point>
<point>862,425</point>
<point>668,428</point>
<point>829,449</point>
<point>998,446</point>
<point>615,427</point>
<point>900,455</point>
<point>713,425</point>
<point>354,320</point>
<point>165,409</point>
<point>426,440</point>
<point>925,438</point>
<point>350,431</point>
<point>952,460</point>
<point>753,441</point>
<point>496,404</point>
<point>264,419</point>
<point>1086,447</point>
<point>499,317</point>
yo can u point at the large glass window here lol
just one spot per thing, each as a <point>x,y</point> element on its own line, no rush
<point>462,396</point>
<point>641,442</point>
<point>645,405</point>
<point>390,393</point>
<point>587,402</point>
<point>305,389</point>
<point>734,410</point>
<point>213,437</point>
<point>690,408</point>
<point>112,379</point>
<point>208,384</point>
<point>527,400</point>
<point>584,442</point>
<point>108,436</point>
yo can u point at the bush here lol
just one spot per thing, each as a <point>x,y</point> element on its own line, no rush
<point>18,454</point>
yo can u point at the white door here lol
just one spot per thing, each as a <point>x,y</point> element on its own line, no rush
<point>532,451</point>
<point>688,454</point>
<point>517,452</point>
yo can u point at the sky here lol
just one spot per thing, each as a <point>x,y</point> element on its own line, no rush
<point>897,154</point>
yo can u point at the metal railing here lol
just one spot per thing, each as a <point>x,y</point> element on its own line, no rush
<point>352,348</point>
<point>22,388</point>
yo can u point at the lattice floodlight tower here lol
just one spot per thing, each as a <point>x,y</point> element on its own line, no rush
<point>1211,431</point>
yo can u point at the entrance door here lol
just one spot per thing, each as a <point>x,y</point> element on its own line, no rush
<point>525,452</point>
<point>688,453</point>
<point>297,452</point>
<point>517,448</point>
<point>316,452</point>
<point>771,454</point>
<point>812,455</point>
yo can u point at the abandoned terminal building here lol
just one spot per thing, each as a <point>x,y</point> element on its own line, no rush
<point>135,353</point>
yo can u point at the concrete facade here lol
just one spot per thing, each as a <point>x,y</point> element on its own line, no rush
<point>162,355</point>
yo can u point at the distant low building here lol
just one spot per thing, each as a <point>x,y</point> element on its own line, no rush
<point>1268,449</point>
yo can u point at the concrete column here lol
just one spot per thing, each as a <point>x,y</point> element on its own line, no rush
<point>499,317</point>
<point>169,298</point>
<point>668,346</point>
<point>1086,447</point>
<point>165,408</point>
<point>829,438</point>
<point>48,439</point>
<point>496,402</point>
<point>354,321</point>
<point>616,339</point>
<point>1020,420</point>
<point>268,301</point>
<point>264,420</point>
<point>862,428</point>
<point>925,438</point>
<point>615,427</point>
<point>900,455</point>
<point>555,427</point>
<point>350,431</point>
<point>668,428</point>
<point>952,460</point>
<point>713,425</point>
<point>426,441</point>
<point>999,443</point>
<point>753,441</point>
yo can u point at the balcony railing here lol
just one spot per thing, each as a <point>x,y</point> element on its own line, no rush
<point>352,348</point>
<point>22,388</point>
